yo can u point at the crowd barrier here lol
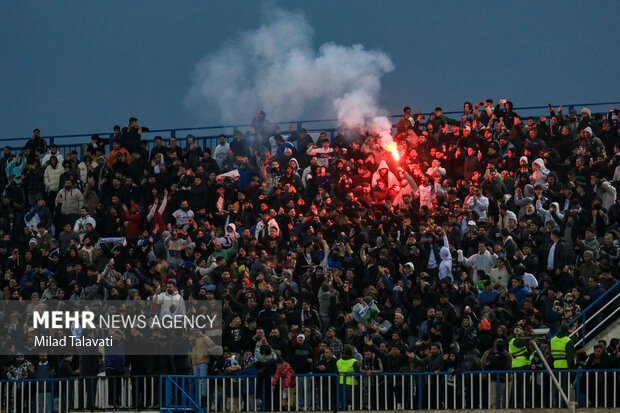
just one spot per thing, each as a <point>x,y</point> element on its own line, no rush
<point>394,391</point>
<point>80,393</point>
<point>485,390</point>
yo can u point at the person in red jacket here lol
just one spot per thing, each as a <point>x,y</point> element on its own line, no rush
<point>155,217</point>
<point>286,390</point>
<point>133,219</point>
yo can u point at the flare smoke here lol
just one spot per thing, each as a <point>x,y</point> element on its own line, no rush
<point>276,68</point>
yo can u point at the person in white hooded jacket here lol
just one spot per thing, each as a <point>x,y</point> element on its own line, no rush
<point>445,266</point>
<point>230,236</point>
<point>539,176</point>
<point>383,172</point>
<point>551,214</point>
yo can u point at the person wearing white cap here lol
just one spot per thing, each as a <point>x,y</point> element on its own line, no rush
<point>301,361</point>
<point>408,268</point>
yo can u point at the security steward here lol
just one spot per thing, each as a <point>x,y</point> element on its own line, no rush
<point>517,347</point>
<point>563,354</point>
<point>562,349</point>
<point>348,364</point>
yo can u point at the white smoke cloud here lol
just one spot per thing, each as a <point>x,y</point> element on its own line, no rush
<point>275,68</point>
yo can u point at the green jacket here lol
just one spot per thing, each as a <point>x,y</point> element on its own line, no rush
<point>226,253</point>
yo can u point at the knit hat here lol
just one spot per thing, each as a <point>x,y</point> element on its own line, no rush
<point>348,350</point>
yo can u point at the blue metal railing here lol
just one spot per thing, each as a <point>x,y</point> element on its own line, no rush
<point>135,392</point>
<point>190,396</point>
<point>77,140</point>
<point>403,391</point>
<point>584,317</point>
<point>446,390</point>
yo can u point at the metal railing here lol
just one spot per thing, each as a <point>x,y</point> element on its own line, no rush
<point>71,142</point>
<point>80,393</point>
<point>595,317</point>
<point>393,391</point>
<point>318,392</point>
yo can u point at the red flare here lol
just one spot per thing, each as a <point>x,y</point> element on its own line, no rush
<point>392,148</point>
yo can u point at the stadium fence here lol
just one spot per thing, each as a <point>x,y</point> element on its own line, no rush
<point>482,390</point>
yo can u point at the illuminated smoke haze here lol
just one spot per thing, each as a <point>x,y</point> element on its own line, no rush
<point>276,68</point>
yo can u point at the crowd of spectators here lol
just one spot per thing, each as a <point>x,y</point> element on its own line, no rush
<point>320,247</point>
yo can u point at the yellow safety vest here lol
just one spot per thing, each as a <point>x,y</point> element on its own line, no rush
<point>344,367</point>
<point>519,355</point>
<point>558,352</point>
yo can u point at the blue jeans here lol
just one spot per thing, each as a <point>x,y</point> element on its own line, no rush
<point>200,370</point>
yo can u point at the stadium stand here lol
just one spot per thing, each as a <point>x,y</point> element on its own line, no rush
<point>349,279</point>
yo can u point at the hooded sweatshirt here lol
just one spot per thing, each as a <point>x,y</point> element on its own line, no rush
<point>539,177</point>
<point>391,178</point>
<point>548,216</point>
<point>296,169</point>
<point>445,266</point>
<point>230,236</point>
